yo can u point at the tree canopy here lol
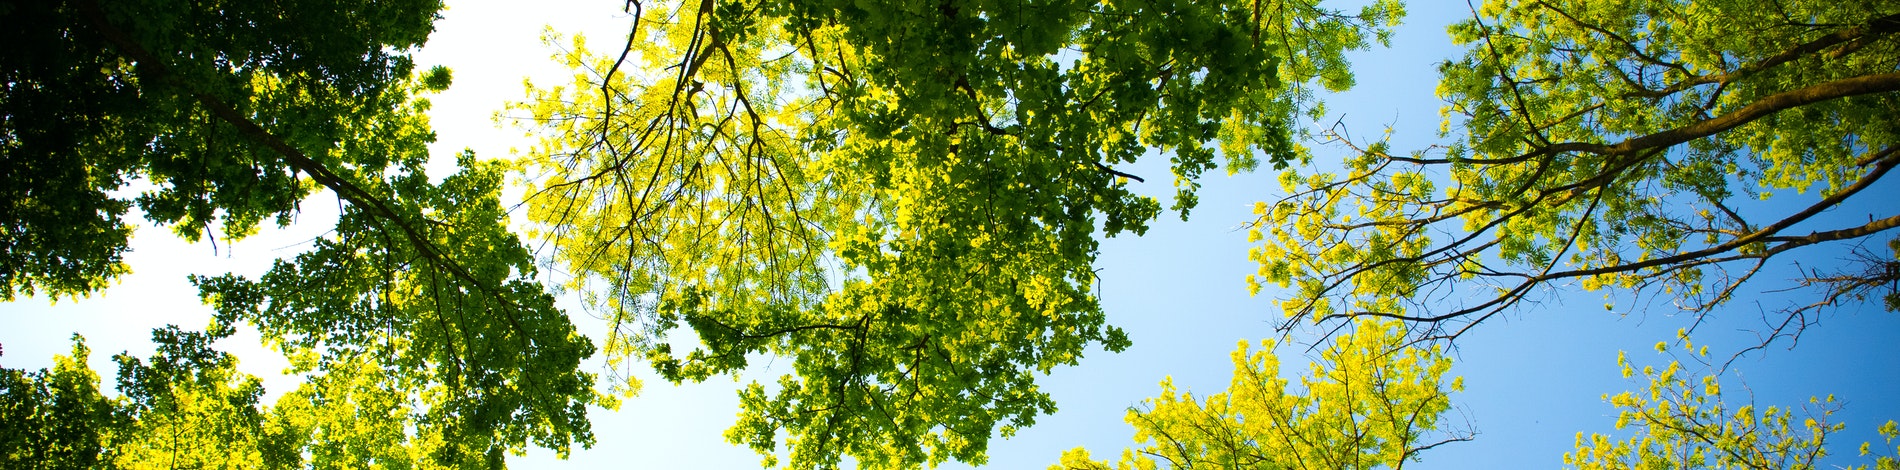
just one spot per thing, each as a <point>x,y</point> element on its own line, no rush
<point>903,197</point>
<point>1369,401</point>
<point>99,94</point>
<point>1375,399</point>
<point>187,406</point>
<point>1608,144</point>
<point>234,113</point>
<point>1685,425</point>
<point>908,201</point>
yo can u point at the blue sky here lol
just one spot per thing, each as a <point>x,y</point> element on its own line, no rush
<point>1534,378</point>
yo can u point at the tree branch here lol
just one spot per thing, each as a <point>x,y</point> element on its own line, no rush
<point>322,174</point>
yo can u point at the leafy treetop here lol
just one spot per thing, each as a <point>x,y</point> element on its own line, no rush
<point>235,112</point>
<point>1370,401</point>
<point>1682,421</point>
<point>1611,144</point>
<point>904,197</point>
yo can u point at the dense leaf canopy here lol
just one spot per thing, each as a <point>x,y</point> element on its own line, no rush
<point>99,94</point>
<point>187,406</point>
<point>226,114</point>
<point>55,418</point>
<point>903,197</point>
<point>907,199</point>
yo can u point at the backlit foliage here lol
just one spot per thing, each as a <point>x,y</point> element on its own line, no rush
<point>229,114</point>
<point>902,197</point>
<point>1370,401</point>
<point>1610,144</point>
<point>1682,422</point>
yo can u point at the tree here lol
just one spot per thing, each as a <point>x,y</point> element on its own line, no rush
<point>231,112</point>
<point>98,94</point>
<point>57,418</point>
<point>1375,398</point>
<point>1610,144</point>
<point>1685,426</point>
<point>903,197</point>
<point>497,363</point>
<point>188,406</point>
<point>1370,401</point>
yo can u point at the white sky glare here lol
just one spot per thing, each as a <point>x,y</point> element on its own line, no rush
<point>1534,378</point>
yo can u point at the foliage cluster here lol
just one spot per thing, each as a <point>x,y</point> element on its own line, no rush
<point>419,299</point>
<point>1609,144</point>
<point>1370,401</point>
<point>1680,424</point>
<point>906,199</point>
<point>902,197</point>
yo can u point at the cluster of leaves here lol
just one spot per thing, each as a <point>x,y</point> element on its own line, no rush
<point>57,417</point>
<point>188,407</point>
<point>1687,425</point>
<point>1374,399</point>
<point>1582,128</point>
<point>1370,401</point>
<point>99,94</point>
<point>496,364</point>
<point>420,305</point>
<point>903,197</point>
